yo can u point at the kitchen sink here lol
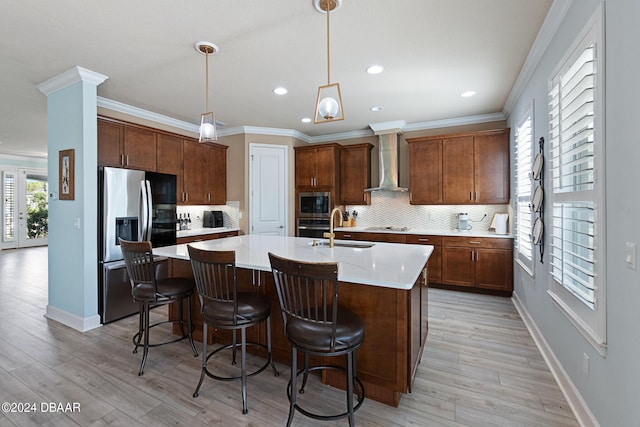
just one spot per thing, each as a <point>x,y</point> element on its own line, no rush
<point>325,243</point>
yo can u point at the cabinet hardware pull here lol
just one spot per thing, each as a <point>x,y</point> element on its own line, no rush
<point>476,195</point>
<point>122,159</point>
<point>470,195</point>
<point>346,236</point>
<point>127,157</point>
<point>421,239</point>
<point>410,197</point>
<point>474,243</point>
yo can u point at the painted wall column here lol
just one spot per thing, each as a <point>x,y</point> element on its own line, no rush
<point>73,224</point>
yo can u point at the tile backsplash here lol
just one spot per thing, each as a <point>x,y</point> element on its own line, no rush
<point>393,209</point>
<point>230,213</point>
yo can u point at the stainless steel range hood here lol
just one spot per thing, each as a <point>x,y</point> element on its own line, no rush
<point>388,164</point>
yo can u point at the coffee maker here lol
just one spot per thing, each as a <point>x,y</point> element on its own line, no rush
<point>463,222</point>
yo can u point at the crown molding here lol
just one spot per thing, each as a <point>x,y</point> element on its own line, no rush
<point>459,121</point>
<point>401,125</point>
<point>24,157</point>
<point>70,77</point>
<point>146,115</point>
<point>556,14</point>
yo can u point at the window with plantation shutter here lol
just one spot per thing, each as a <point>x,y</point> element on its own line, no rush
<point>9,207</point>
<point>524,218</point>
<point>576,238</point>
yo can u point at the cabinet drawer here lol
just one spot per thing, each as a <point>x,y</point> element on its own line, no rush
<point>477,242</point>
<point>424,239</point>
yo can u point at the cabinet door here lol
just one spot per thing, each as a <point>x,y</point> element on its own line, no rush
<point>305,168</point>
<point>110,144</point>
<point>169,159</point>
<point>139,149</point>
<point>494,269</point>
<point>458,267</point>
<point>217,175</point>
<point>491,168</point>
<point>355,174</point>
<point>194,173</point>
<point>434,270</point>
<point>425,172</point>
<point>457,170</point>
<point>325,167</point>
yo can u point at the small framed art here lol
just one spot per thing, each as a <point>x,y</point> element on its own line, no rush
<point>65,172</point>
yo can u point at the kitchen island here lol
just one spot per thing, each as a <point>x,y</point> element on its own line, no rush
<point>384,283</point>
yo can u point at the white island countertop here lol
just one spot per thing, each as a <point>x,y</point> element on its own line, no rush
<point>203,231</point>
<point>389,265</point>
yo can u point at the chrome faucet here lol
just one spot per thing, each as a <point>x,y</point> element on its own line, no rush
<point>331,235</point>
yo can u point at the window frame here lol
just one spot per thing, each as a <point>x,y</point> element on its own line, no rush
<point>590,322</point>
<point>526,263</point>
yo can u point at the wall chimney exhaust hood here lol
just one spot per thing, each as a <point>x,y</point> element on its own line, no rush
<point>388,155</point>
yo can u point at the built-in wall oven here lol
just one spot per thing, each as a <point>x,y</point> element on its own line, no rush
<point>312,227</point>
<point>314,209</point>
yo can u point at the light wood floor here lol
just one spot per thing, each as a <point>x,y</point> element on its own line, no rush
<point>480,368</point>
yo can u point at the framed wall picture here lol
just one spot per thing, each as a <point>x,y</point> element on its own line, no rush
<point>65,173</point>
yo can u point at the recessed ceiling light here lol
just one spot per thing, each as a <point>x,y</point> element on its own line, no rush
<point>280,91</point>
<point>306,120</point>
<point>468,93</point>
<point>375,69</point>
<point>377,108</point>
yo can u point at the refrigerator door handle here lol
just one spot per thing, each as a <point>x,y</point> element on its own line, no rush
<point>144,230</point>
<point>149,220</point>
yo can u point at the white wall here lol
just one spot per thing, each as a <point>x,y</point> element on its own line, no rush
<point>612,388</point>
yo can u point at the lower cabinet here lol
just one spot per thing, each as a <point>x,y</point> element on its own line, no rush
<point>468,262</point>
<point>484,263</point>
<point>435,260</point>
<point>371,237</point>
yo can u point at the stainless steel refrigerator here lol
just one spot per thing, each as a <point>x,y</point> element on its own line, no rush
<point>134,205</point>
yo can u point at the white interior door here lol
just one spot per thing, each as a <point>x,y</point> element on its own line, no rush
<point>32,197</point>
<point>268,192</point>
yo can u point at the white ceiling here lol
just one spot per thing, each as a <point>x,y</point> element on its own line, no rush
<point>431,50</point>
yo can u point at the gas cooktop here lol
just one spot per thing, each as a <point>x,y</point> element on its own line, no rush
<point>387,228</point>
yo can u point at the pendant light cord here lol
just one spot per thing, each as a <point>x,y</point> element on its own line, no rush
<point>328,46</point>
<point>206,56</point>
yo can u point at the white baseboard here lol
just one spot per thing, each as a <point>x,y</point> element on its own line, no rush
<point>579,407</point>
<point>78,323</point>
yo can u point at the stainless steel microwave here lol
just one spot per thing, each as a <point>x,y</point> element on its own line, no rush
<point>314,204</point>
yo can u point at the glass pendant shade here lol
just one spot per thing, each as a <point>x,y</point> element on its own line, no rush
<point>207,120</point>
<point>208,128</point>
<point>329,104</point>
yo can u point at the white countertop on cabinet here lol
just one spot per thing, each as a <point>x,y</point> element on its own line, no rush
<point>389,265</point>
<point>433,232</point>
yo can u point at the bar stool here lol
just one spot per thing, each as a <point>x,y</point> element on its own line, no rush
<point>223,307</point>
<point>150,292</point>
<point>315,325</point>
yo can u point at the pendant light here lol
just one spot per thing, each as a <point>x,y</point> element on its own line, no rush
<point>208,119</point>
<point>329,100</point>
